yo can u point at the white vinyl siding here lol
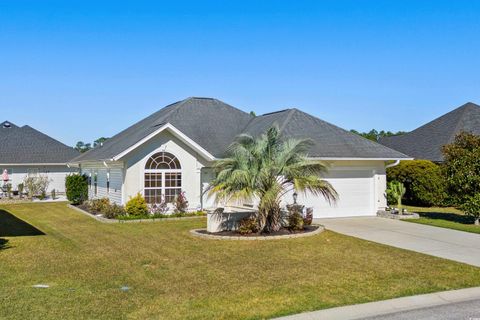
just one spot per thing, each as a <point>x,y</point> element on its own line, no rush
<point>114,192</point>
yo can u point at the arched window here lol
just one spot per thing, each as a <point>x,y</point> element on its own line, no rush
<point>163,178</point>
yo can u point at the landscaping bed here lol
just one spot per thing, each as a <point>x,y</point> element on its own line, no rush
<point>99,215</point>
<point>283,233</point>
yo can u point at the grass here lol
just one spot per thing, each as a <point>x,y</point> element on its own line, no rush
<point>173,275</point>
<point>450,218</point>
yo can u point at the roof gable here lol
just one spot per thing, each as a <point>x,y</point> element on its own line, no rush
<point>426,141</point>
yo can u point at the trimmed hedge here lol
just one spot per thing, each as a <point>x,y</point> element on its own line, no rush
<point>76,187</point>
<point>424,181</point>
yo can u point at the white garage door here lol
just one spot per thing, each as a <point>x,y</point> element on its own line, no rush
<point>356,195</point>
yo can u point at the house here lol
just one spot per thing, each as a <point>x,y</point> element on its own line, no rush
<point>426,142</point>
<point>24,150</point>
<point>173,150</point>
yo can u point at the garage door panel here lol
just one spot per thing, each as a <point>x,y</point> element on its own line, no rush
<point>356,195</point>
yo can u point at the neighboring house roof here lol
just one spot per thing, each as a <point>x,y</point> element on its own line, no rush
<point>426,141</point>
<point>25,145</point>
<point>213,125</point>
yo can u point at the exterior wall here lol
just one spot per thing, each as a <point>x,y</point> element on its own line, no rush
<point>56,174</point>
<point>112,173</point>
<point>190,161</point>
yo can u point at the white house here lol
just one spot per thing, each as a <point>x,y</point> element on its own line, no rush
<point>24,150</point>
<point>173,150</point>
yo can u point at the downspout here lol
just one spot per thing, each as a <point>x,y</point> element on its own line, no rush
<point>396,163</point>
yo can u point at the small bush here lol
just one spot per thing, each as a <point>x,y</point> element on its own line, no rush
<point>309,217</point>
<point>114,211</point>
<point>9,190</point>
<point>20,188</point>
<point>423,180</point>
<point>76,186</point>
<point>181,203</point>
<point>54,194</point>
<point>471,207</point>
<point>98,205</point>
<point>295,221</point>
<point>137,206</point>
<point>248,225</point>
<point>295,217</point>
<point>36,185</point>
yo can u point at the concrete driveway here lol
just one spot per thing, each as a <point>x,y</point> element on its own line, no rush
<point>440,242</point>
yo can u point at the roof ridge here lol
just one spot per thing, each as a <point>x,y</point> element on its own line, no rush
<point>287,120</point>
<point>464,108</point>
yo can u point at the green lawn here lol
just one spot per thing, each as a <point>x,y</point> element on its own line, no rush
<point>445,218</point>
<point>173,275</point>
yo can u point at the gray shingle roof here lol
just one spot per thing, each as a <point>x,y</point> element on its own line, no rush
<point>214,125</point>
<point>329,141</point>
<point>426,141</point>
<point>20,145</point>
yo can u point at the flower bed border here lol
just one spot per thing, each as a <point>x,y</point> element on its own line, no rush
<point>197,233</point>
<point>105,220</point>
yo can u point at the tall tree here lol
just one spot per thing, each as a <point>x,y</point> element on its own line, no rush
<point>266,168</point>
<point>83,147</point>
<point>99,142</point>
<point>375,135</point>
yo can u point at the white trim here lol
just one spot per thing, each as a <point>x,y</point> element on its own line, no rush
<point>355,159</point>
<point>176,132</point>
<point>33,164</point>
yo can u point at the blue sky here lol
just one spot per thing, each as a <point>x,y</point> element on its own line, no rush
<point>78,70</point>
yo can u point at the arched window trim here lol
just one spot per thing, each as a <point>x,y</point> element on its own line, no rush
<point>162,178</point>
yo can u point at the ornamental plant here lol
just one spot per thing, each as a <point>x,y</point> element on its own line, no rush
<point>396,190</point>
<point>266,168</point>
<point>137,206</point>
<point>471,207</point>
<point>76,186</point>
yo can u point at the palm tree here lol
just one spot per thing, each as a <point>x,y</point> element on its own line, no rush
<point>266,168</point>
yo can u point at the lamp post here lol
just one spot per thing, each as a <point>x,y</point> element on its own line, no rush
<point>295,195</point>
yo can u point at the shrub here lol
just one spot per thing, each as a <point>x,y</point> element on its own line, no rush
<point>308,217</point>
<point>98,205</point>
<point>36,185</point>
<point>248,225</point>
<point>181,203</point>
<point>462,167</point>
<point>136,206</point>
<point>471,207</point>
<point>114,211</point>
<point>423,180</point>
<point>9,190</point>
<point>295,217</point>
<point>54,194</point>
<point>76,186</point>
<point>20,189</point>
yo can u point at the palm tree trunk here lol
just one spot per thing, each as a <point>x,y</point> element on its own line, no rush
<point>274,223</point>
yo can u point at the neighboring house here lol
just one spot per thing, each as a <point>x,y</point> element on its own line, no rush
<point>426,142</point>
<point>174,149</point>
<point>24,150</point>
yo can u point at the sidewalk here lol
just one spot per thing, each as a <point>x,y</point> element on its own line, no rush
<point>384,307</point>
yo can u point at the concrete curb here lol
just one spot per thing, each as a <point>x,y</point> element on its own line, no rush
<point>196,233</point>
<point>386,307</point>
<point>105,220</point>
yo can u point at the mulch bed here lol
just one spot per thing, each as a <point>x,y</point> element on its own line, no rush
<point>281,232</point>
